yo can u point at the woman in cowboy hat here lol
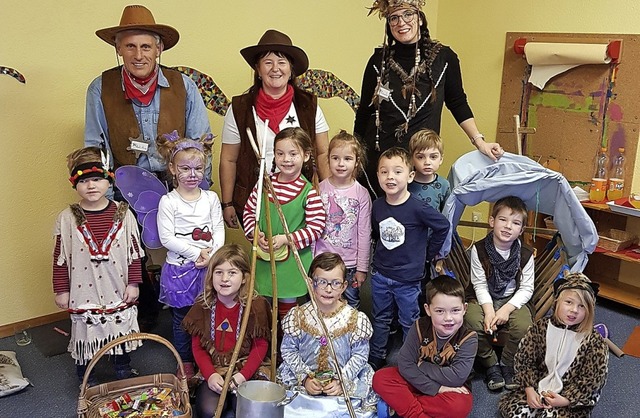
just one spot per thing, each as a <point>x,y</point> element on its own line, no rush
<point>274,96</point>
<point>406,83</point>
<point>123,108</point>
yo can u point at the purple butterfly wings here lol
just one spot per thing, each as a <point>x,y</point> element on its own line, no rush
<point>143,191</point>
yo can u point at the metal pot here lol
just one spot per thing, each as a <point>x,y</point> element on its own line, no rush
<point>258,398</point>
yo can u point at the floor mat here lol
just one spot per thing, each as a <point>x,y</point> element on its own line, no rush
<point>632,346</point>
<point>49,341</point>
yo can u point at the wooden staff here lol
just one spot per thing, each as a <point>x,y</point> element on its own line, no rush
<point>270,190</point>
<point>247,308</point>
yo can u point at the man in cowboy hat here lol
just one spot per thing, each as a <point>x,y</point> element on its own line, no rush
<point>130,105</point>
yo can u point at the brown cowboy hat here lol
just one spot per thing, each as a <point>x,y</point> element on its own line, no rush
<point>136,17</point>
<point>275,41</point>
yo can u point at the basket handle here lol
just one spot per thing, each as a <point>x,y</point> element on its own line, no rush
<point>120,340</point>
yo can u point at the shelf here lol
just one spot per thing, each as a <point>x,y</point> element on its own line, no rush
<point>619,292</point>
<point>619,254</point>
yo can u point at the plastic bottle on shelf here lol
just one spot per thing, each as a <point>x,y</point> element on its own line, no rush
<point>616,177</point>
<point>598,188</point>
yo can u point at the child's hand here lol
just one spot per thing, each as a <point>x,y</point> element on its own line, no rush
<point>533,399</point>
<point>313,386</point>
<point>215,382</point>
<point>203,260</point>
<point>439,267</point>
<point>333,388</point>
<point>263,243</point>
<point>554,399</point>
<point>489,327</point>
<point>62,300</point>
<point>131,293</point>
<point>459,389</point>
<point>236,380</point>
<point>358,279</point>
<point>502,315</point>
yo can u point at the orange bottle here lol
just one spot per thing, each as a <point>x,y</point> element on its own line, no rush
<point>616,177</point>
<point>598,187</point>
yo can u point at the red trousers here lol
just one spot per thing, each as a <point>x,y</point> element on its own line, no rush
<point>409,403</point>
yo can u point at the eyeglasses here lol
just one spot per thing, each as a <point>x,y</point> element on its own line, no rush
<point>335,284</point>
<point>407,16</point>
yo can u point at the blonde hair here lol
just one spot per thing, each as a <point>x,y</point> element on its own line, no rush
<point>238,258</point>
<point>425,139</point>
<point>345,139</point>
<point>303,141</point>
<point>588,300</point>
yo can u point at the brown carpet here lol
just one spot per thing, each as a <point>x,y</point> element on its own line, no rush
<point>632,346</point>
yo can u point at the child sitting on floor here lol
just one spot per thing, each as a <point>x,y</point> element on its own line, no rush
<point>307,365</point>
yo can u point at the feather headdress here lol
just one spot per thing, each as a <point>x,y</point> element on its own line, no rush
<point>385,7</point>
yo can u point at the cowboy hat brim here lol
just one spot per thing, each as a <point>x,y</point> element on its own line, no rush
<point>169,35</point>
<point>300,60</point>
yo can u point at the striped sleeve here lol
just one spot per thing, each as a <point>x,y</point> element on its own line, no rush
<point>249,213</point>
<point>315,219</point>
<point>60,273</point>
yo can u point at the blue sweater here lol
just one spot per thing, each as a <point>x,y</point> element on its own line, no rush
<point>401,232</point>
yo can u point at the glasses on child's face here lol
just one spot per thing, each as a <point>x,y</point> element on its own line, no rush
<point>335,284</point>
<point>407,16</point>
<point>188,170</point>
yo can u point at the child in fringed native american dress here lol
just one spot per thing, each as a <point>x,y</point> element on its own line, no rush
<point>307,365</point>
<point>97,265</point>
<point>561,363</point>
<point>214,323</point>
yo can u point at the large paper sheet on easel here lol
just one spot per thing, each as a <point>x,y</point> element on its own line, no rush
<point>550,59</point>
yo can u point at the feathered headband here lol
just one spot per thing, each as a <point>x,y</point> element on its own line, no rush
<point>385,7</point>
<point>92,169</point>
<point>575,281</point>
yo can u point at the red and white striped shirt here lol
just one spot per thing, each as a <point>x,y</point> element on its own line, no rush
<point>314,213</point>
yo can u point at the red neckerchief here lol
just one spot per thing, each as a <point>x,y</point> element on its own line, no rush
<point>274,109</point>
<point>140,89</point>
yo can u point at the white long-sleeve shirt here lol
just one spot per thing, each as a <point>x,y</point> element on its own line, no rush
<point>184,226</point>
<point>481,287</point>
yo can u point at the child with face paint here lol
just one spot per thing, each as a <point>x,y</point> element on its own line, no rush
<point>191,228</point>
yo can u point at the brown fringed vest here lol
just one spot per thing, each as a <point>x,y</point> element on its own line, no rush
<point>428,343</point>
<point>526,253</point>
<point>247,167</point>
<point>198,322</point>
<point>121,120</point>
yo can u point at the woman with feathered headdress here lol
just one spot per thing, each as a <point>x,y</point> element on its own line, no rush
<point>406,83</point>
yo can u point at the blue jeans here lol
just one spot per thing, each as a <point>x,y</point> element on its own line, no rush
<point>352,294</point>
<point>386,293</point>
<point>181,338</point>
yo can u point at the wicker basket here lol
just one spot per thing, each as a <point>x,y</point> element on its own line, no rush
<point>92,398</point>
<point>616,240</point>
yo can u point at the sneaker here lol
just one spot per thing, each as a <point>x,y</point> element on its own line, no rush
<point>509,378</point>
<point>377,363</point>
<point>494,378</point>
<point>384,410</point>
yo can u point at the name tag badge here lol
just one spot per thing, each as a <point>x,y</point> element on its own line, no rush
<point>139,146</point>
<point>384,92</point>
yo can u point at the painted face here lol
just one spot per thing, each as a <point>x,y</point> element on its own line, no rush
<point>328,286</point>
<point>447,314</point>
<point>92,190</point>
<point>342,162</point>
<point>139,53</point>
<point>405,25</point>
<point>227,280</point>
<point>427,162</point>
<point>275,73</point>
<point>507,227</point>
<point>188,169</point>
<point>569,308</point>
<point>289,159</point>
<point>394,176</point>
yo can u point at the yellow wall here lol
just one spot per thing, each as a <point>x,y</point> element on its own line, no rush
<point>53,44</point>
